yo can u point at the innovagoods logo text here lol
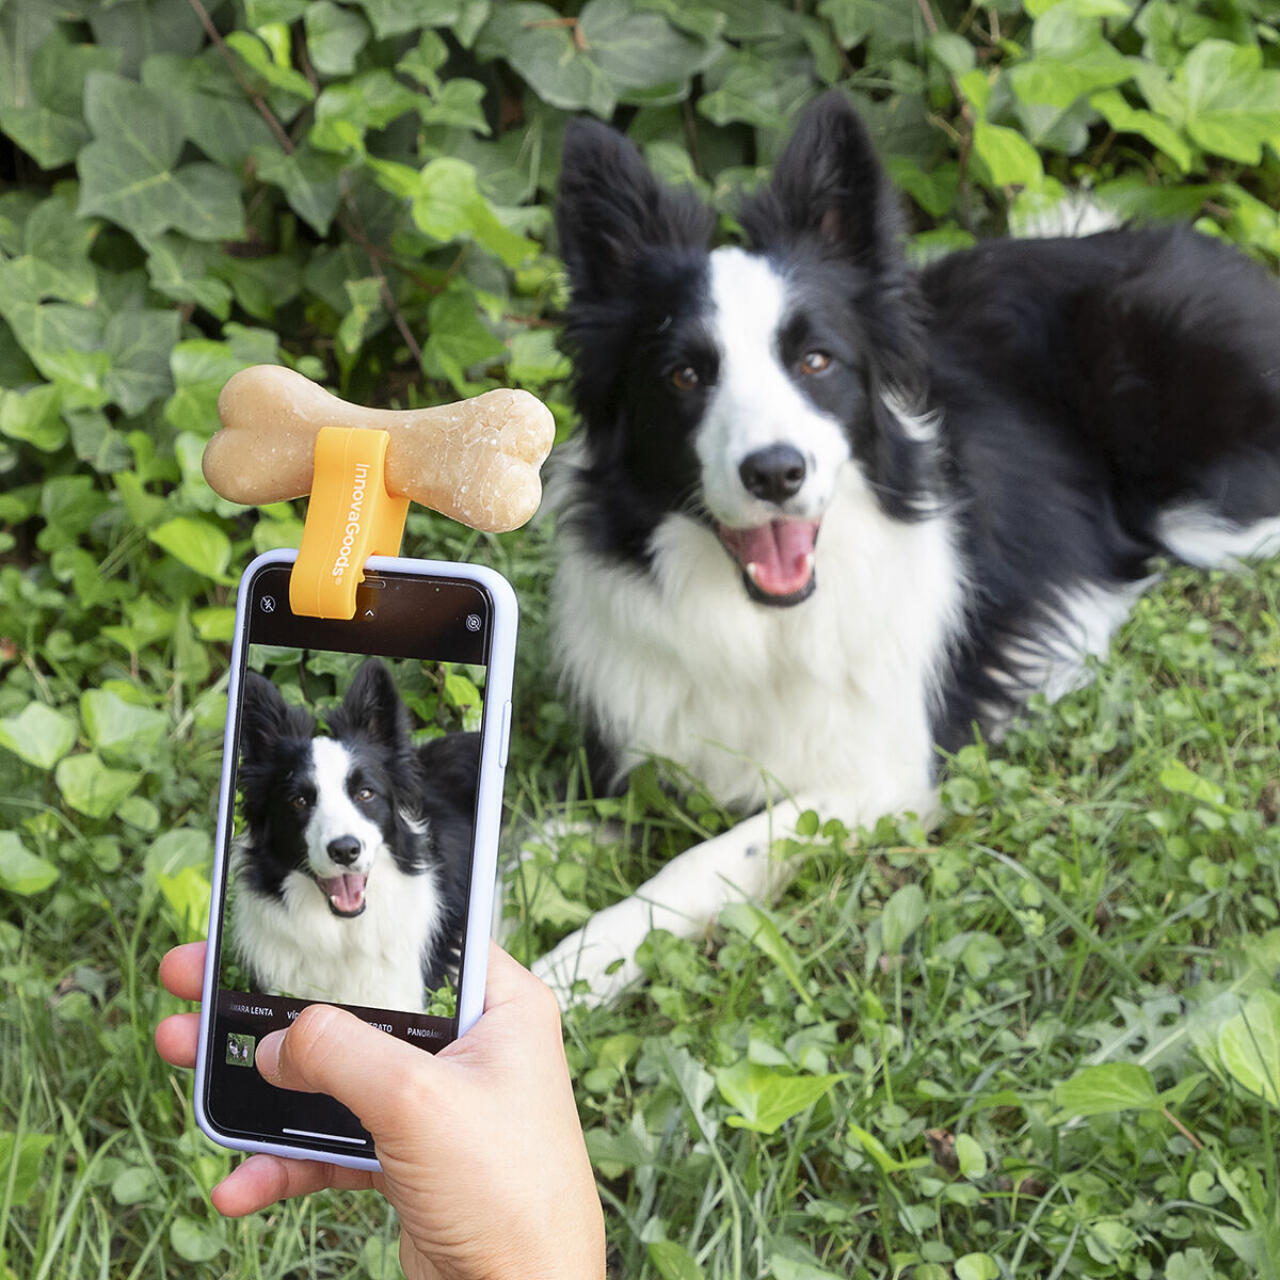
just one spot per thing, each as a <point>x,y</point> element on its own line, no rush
<point>352,531</point>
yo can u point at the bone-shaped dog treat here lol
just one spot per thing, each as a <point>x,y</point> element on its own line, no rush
<point>476,461</point>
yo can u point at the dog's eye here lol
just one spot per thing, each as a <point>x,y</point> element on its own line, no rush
<point>300,801</point>
<point>815,362</point>
<point>365,793</point>
<point>685,378</point>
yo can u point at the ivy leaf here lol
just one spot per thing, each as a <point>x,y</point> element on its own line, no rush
<point>63,342</point>
<point>57,241</point>
<point>753,91</point>
<point>279,75</point>
<point>541,49</point>
<point>368,101</point>
<point>262,13</point>
<point>22,33</point>
<point>201,367</point>
<point>138,344</point>
<point>91,788</point>
<point>199,544</point>
<point>34,416</point>
<point>398,17</point>
<point>128,173</point>
<point>766,1099</point>
<point>50,126</point>
<point>180,269</point>
<point>334,37</point>
<point>1123,118</point>
<point>209,106</point>
<point>536,359</point>
<point>1232,104</point>
<point>1081,8</point>
<point>261,284</point>
<point>1010,159</point>
<point>459,339</point>
<point>366,304</point>
<point>425,59</point>
<point>38,734</point>
<point>639,50</point>
<point>97,442</point>
<point>448,205</point>
<point>1222,97</point>
<point>139,28</point>
<point>1072,59</point>
<point>458,103</point>
<point>119,729</point>
<point>308,178</point>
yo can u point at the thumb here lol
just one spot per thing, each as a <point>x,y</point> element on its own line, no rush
<point>331,1051</point>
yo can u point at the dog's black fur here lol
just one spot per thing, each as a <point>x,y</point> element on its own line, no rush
<point>1084,390</point>
<point>420,800</point>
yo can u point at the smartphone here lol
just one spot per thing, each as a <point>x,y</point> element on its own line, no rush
<point>358,820</point>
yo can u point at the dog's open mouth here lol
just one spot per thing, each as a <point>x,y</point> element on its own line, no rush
<point>345,893</point>
<point>776,559</point>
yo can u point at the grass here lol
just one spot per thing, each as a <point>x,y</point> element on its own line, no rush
<point>1038,1042</point>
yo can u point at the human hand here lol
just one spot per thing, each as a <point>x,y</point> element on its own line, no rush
<point>480,1145</point>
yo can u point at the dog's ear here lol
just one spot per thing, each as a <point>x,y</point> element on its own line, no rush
<point>612,210</point>
<point>372,708</point>
<point>266,718</point>
<point>829,184</point>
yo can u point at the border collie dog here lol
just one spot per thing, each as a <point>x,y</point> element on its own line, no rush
<point>828,513</point>
<point>351,873</point>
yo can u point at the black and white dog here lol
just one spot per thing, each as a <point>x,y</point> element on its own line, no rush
<point>351,873</point>
<point>828,513</point>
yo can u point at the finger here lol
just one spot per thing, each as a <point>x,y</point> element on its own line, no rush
<point>176,1039</point>
<point>329,1050</point>
<point>182,970</point>
<point>262,1180</point>
<point>508,981</point>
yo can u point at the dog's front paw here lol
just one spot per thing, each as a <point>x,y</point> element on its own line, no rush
<point>583,971</point>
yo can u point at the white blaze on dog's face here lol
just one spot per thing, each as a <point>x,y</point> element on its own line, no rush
<point>342,839</point>
<point>769,456</point>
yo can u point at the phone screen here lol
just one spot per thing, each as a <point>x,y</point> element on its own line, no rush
<point>349,846</point>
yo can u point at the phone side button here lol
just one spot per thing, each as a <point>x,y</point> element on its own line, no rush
<point>504,742</point>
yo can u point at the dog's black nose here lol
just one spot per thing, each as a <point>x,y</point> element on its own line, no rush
<point>774,473</point>
<point>344,850</point>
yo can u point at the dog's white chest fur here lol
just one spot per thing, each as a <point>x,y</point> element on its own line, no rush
<point>827,698</point>
<point>300,948</point>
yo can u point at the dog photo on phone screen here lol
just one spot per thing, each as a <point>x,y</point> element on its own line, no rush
<point>349,866</point>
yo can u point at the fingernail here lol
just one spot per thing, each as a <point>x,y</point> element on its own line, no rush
<point>267,1058</point>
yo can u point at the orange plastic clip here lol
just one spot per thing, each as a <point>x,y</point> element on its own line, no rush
<point>351,517</point>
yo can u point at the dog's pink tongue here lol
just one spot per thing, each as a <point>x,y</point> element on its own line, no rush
<point>346,893</point>
<point>777,556</point>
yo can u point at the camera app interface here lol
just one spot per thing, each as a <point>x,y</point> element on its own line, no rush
<point>357,764</point>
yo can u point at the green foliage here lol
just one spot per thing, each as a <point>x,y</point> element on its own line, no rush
<point>1068,990</point>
